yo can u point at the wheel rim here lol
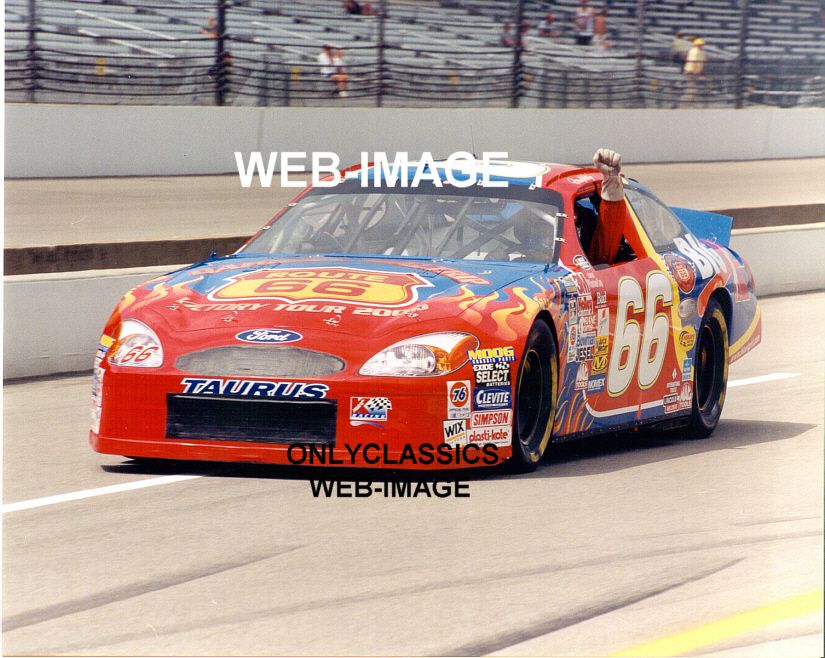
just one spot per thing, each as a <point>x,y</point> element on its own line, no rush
<point>707,380</point>
<point>530,392</point>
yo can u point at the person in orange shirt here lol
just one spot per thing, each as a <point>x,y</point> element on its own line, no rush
<point>614,220</point>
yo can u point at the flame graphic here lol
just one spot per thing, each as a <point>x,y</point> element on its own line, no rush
<point>162,291</point>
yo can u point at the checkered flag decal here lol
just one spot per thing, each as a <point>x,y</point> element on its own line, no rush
<point>376,405</point>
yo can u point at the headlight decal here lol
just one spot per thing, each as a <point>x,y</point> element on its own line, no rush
<point>137,346</point>
<point>429,355</point>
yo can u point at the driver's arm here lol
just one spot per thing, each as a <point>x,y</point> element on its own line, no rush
<point>614,219</point>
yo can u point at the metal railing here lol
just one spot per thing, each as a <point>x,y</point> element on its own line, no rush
<point>392,57</point>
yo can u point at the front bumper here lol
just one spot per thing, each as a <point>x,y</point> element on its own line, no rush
<point>370,422</point>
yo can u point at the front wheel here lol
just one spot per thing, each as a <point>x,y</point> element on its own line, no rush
<point>535,402</point>
<point>710,378</point>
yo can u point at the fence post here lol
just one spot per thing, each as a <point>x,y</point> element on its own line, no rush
<point>31,49</point>
<point>640,51</point>
<point>220,54</point>
<point>744,27</point>
<point>518,18</point>
<point>382,14</point>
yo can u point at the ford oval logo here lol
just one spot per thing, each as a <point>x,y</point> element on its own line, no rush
<point>272,336</point>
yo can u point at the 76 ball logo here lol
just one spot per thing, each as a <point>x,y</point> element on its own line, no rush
<point>458,399</point>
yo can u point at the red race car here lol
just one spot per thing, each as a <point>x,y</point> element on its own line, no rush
<point>431,326</point>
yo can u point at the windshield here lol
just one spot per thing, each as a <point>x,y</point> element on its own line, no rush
<point>502,224</point>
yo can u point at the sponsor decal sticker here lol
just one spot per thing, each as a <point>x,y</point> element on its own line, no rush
<point>492,374</point>
<point>687,338</point>
<point>455,431</point>
<point>582,376</point>
<point>595,384</point>
<point>587,324</point>
<point>344,285</point>
<point>492,398</point>
<point>572,314</point>
<point>253,388</point>
<point>599,364</point>
<point>581,179</point>
<point>582,262</point>
<point>492,355</point>
<point>602,344</point>
<point>601,298</point>
<point>269,336</point>
<point>603,322</point>
<point>687,370</point>
<point>500,435</point>
<point>458,399</point>
<point>571,345</point>
<point>682,270</point>
<point>491,418</point>
<point>569,284</point>
<point>586,305</point>
<point>681,400</point>
<point>369,409</point>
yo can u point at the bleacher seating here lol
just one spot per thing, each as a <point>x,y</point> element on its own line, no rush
<point>435,52</point>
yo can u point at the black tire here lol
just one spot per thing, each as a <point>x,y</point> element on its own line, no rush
<point>535,403</point>
<point>710,372</point>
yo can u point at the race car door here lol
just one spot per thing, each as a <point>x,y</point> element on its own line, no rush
<point>624,368</point>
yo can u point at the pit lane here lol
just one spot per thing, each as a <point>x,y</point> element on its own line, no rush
<point>610,545</point>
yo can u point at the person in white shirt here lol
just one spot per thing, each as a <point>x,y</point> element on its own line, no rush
<point>583,21</point>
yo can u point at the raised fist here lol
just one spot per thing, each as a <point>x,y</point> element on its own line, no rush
<point>609,163</point>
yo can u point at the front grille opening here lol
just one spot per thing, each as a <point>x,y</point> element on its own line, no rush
<point>260,361</point>
<point>254,420</point>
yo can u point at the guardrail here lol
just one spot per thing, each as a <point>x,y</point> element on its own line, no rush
<point>53,321</point>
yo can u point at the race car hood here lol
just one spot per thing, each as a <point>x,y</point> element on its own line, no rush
<point>356,296</point>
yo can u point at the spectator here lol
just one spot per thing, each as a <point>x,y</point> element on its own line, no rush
<point>507,38</point>
<point>352,7</point>
<point>601,35</point>
<point>340,76</point>
<point>679,48</point>
<point>546,26</point>
<point>694,68</point>
<point>211,29</point>
<point>332,68</point>
<point>583,21</point>
<point>525,30</point>
<point>367,10</point>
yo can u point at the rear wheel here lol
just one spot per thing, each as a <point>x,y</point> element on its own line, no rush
<point>710,377</point>
<point>535,398</point>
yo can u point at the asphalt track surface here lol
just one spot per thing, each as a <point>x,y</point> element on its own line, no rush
<point>711,546</point>
<point>42,212</point>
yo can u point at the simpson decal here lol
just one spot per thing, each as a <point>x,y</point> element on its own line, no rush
<point>324,284</point>
<point>490,418</point>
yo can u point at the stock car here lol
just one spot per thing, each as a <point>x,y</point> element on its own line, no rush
<point>391,323</point>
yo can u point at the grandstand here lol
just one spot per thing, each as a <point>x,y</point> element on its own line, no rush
<point>432,53</point>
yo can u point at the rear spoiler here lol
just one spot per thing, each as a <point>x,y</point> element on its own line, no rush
<point>706,225</point>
